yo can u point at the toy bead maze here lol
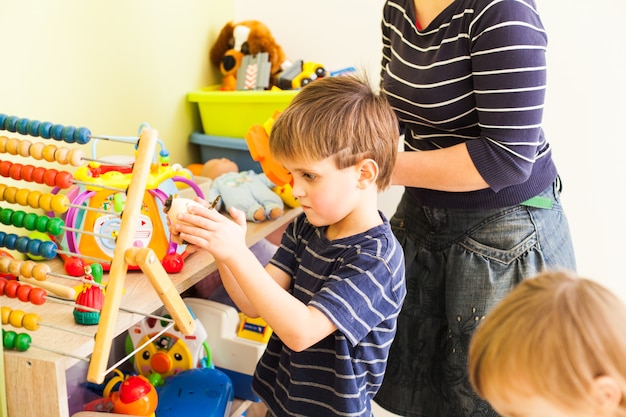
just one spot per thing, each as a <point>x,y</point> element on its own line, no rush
<point>115,239</point>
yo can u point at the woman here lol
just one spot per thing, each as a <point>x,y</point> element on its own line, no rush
<point>481,209</point>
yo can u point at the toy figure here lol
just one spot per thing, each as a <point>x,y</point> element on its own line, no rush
<point>249,37</point>
<point>247,191</point>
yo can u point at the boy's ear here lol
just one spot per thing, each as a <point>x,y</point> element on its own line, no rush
<point>368,173</point>
<point>607,393</point>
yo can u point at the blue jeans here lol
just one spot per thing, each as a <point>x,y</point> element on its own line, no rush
<point>459,264</point>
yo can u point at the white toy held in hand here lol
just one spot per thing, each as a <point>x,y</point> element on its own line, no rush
<point>178,205</point>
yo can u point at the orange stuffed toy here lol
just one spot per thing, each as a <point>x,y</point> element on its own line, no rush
<point>235,41</point>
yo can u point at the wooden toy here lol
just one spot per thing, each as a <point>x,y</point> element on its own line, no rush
<point>126,252</point>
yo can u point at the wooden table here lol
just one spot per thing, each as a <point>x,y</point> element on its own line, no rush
<point>36,381</point>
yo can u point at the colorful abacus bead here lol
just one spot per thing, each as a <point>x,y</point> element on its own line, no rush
<point>16,341</point>
<point>19,318</point>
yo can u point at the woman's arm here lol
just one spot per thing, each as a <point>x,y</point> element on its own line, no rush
<point>449,169</point>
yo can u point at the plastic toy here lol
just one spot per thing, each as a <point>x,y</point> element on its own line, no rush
<point>162,351</point>
<point>136,396</point>
<point>300,74</point>
<point>253,329</point>
<point>98,188</point>
<point>247,191</point>
<point>258,141</point>
<point>235,356</point>
<point>248,37</point>
<point>199,392</point>
<point>91,296</point>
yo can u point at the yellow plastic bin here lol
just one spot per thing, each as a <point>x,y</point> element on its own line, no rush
<point>233,113</point>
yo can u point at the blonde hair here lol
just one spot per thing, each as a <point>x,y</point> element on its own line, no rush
<point>551,336</point>
<point>339,117</point>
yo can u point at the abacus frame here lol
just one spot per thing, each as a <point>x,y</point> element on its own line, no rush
<point>125,255</point>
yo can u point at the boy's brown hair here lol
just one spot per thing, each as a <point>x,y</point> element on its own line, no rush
<point>551,337</point>
<point>340,117</point>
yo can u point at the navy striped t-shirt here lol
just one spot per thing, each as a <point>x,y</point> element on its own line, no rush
<point>476,74</point>
<point>358,283</point>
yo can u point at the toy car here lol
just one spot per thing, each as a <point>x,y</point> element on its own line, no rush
<point>300,74</point>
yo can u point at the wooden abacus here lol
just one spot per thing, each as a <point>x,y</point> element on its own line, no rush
<point>125,254</point>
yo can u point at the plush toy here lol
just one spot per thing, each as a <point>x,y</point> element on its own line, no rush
<point>235,41</point>
<point>247,191</point>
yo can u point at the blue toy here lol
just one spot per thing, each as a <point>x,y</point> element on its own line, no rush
<point>198,392</point>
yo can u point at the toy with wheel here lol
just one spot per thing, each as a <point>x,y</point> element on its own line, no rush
<point>100,187</point>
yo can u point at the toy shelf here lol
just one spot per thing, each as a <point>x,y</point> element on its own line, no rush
<point>36,380</point>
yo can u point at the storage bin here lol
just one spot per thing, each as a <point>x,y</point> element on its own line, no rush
<point>235,149</point>
<point>233,113</point>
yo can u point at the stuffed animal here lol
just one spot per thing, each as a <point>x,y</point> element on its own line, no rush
<point>236,40</point>
<point>247,191</point>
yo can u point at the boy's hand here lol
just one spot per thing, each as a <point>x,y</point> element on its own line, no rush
<point>207,229</point>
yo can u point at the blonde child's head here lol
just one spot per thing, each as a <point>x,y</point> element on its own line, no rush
<point>558,339</point>
<point>339,117</point>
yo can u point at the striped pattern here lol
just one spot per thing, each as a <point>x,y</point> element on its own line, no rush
<point>358,282</point>
<point>477,74</point>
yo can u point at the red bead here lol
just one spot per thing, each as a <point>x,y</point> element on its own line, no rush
<point>27,172</point>
<point>22,292</point>
<point>50,177</point>
<point>38,296</point>
<point>64,180</point>
<point>5,167</point>
<point>15,172</point>
<point>38,174</point>
<point>10,288</point>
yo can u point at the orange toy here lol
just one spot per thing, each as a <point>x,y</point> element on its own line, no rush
<point>136,397</point>
<point>258,141</point>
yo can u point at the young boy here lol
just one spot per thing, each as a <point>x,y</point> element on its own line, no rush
<point>333,290</point>
<point>554,347</point>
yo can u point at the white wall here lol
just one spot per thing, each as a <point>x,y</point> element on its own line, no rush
<point>585,103</point>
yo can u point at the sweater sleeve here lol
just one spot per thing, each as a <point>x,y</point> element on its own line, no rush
<point>508,47</point>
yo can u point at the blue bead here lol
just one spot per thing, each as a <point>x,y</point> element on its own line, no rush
<point>68,134</point>
<point>82,135</point>
<point>10,123</point>
<point>33,246</point>
<point>3,118</point>
<point>48,249</point>
<point>21,244</point>
<point>9,241</point>
<point>33,127</point>
<point>45,130</point>
<point>57,132</point>
<point>22,126</point>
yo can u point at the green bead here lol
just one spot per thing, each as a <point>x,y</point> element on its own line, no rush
<point>41,224</point>
<point>5,216</point>
<point>18,218</point>
<point>8,338</point>
<point>22,342</point>
<point>55,226</point>
<point>30,219</point>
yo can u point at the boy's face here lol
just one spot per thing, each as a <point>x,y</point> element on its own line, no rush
<point>326,194</point>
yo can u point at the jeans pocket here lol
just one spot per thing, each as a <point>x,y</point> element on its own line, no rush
<point>504,237</point>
